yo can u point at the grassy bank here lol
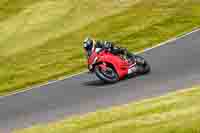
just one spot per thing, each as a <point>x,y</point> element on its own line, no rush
<point>41,39</point>
<point>175,113</point>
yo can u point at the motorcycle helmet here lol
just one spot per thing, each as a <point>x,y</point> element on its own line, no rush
<point>88,45</point>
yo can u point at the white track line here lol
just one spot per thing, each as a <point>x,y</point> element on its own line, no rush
<point>170,40</point>
<point>66,77</point>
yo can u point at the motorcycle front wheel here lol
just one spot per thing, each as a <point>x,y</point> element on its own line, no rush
<point>109,75</point>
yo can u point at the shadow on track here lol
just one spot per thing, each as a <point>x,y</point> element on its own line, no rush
<point>96,83</point>
<point>102,83</point>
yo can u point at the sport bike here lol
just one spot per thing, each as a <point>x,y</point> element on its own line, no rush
<point>111,68</point>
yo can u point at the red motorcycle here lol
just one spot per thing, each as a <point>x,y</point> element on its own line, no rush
<point>111,68</point>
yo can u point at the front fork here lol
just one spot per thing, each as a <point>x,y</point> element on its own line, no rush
<point>103,67</point>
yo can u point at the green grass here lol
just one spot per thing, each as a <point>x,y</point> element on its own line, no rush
<point>176,112</point>
<point>41,39</point>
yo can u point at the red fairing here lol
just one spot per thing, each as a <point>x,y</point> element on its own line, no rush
<point>92,57</point>
<point>104,57</point>
<point>120,65</point>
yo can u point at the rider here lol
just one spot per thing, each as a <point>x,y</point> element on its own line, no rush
<point>89,44</point>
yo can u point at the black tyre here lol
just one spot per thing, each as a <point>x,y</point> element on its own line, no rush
<point>109,76</point>
<point>144,64</point>
<point>147,68</point>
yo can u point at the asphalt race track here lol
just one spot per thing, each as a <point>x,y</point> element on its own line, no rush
<point>174,66</point>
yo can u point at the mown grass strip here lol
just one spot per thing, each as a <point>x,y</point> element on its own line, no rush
<point>176,112</point>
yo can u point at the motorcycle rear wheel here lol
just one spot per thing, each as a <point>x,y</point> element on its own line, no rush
<point>144,64</point>
<point>147,68</point>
